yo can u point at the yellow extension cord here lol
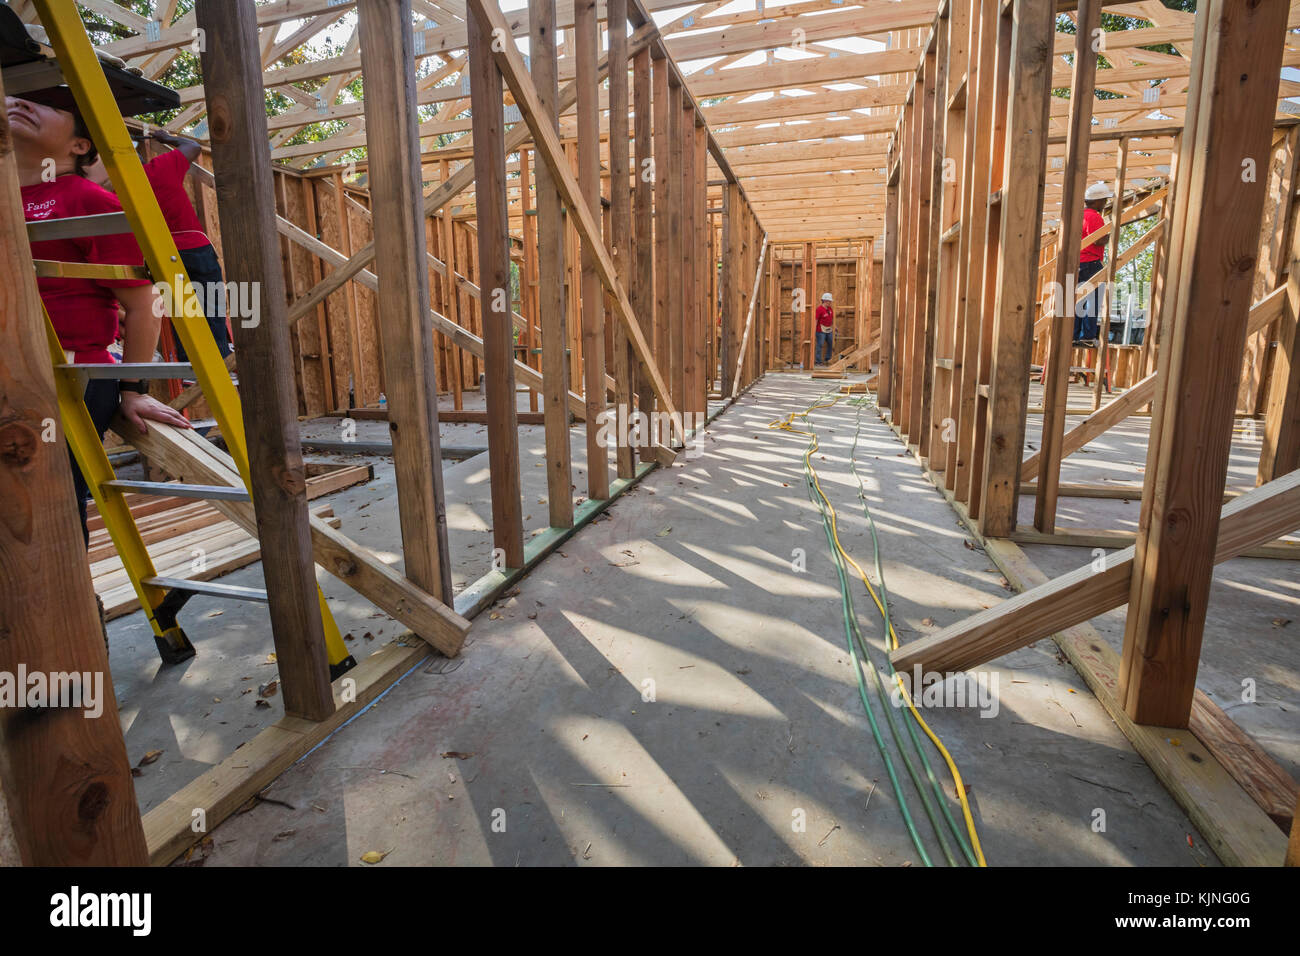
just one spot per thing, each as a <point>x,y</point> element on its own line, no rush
<point>788,425</point>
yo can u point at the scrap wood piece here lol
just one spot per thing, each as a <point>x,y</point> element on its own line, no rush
<point>1259,774</point>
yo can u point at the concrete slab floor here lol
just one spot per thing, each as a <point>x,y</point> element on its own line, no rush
<point>671,689</point>
<point>1249,661</point>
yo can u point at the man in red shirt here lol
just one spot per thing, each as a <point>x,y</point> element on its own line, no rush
<point>1091,259</point>
<point>825,330</point>
<point>167,177</point>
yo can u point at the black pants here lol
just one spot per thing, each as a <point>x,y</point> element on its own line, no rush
<point>102,398</point>
<point>205,272</point>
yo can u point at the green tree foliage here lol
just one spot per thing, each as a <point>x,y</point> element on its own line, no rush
<point>1111,22</point>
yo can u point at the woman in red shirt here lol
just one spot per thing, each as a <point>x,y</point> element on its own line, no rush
<point>51,148</point>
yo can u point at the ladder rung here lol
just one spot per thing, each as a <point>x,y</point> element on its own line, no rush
<point>133,369</point>
<point>177,489</point>
<point>212,588</point>
<point>75,227</point>
<point>52,269</point>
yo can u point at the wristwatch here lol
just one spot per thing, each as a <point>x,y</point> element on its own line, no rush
<point>139,385</point>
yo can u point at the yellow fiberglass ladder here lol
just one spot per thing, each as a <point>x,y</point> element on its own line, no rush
<point>104,94</point>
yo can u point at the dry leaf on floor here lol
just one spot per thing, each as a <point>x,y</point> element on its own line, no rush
<point>149,758</point>
<point>456,754</point>
<point>374,856</point>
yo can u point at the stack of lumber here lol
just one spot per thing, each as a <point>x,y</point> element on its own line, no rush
<point>180,531</point>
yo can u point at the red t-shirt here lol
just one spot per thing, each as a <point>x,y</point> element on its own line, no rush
<point>167,177</point>
<point>1092,221</point>
<point>84,311</point>
<point>825,318</point>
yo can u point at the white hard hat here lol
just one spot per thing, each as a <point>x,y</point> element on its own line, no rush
<point>826,296</point>
<point>1097,191</point>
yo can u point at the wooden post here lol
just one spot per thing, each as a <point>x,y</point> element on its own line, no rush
<point>66,777</point>
<point>1235,77</point>
<point>726,346</point>
<point>692,365</point>
<point>241,161</point>
<point>528,266</point>
<point>643,289</point>
<point>809,303</point>
<point>675,224</point>
<point>1074,178</point>
<point>453,296</point>
<point>1108,299</point>
<point>551,309</point>
<point>593,299</point>
<point>358,383</point>
<point>662,205</point>
<point>931,202</point>
<point>888,296</point>
<point>494,280</point>
<point>625,363</point>
<point>704,314</point>
<point>402,301</point>
<point>1028,103</point>
<point>1280,451</point>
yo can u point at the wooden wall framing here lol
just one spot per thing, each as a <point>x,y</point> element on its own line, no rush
<point>428,305</point>
<point>962,333</point>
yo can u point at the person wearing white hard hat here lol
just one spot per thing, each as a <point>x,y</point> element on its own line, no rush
<point>825,329</point>
<point>1091,259</point>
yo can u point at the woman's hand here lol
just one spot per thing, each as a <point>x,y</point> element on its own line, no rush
<point>137,408</point>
